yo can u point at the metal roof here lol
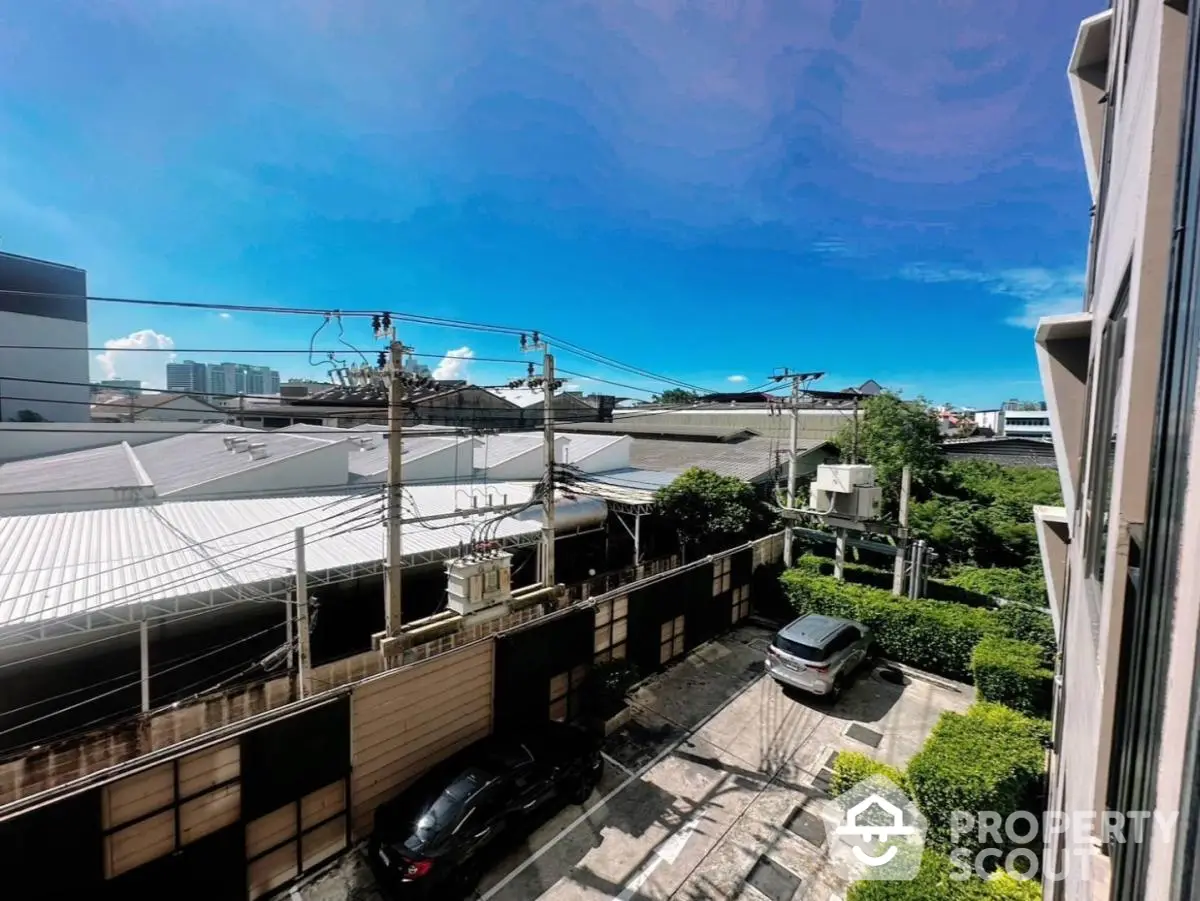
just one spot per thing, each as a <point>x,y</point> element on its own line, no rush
<point>185,461</point>
<point>752,459</point>
<point>97,468</point>
<point>656,426</point>
<point>370,459</point>
<point>106,565</point>
<point>581,447</point>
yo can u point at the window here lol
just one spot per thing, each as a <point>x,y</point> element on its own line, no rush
<point>722,575</point>
<point>671,640</point>
<point>1101,452</point>
<point>612,629</point>
<point>740,606</point>
<point>564,694</point>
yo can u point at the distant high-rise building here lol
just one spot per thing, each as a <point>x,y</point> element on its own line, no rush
<point>218,380</point>
<point>188,377</point>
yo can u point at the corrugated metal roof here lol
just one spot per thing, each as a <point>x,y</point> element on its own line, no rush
<point>185,461</point>
<point>98,468</point>
<point>752,459</point>
<point>370,459</point>
<point>580,447</point>
<point>492,450</point>
<point>522,397</point>
<point>59,565</point>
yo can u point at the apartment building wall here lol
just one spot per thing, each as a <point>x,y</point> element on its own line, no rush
<point>1101,372</point>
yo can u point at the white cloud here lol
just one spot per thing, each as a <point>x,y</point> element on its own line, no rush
<point>225,315</point>
<point>128,358</point>
<point>454,364</point>
<point>737,378</point>
<point>1041,292</point>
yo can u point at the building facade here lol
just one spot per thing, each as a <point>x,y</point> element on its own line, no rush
<point>43,304</point>
<point>1120,553</point>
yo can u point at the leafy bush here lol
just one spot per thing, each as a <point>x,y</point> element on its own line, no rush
<point>1012,673</point>
<point>1025,585</point>
<point>1031,624</point>
<point>933,635</point>
<point>940,879</point>
<point>856,573</point>
<point>852,767</point>
<point>989,759</point>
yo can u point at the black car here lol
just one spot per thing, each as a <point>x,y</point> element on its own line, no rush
<point>431,840</point>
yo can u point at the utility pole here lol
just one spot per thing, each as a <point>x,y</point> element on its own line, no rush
<point>241,411</point>
<point>797,379</point>
<point>305,676</point>
<point>549,383</point>
<point>902,540</point>
<point>548,492</point>
<point>395,488</point>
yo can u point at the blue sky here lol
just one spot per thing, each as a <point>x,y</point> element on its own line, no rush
<point>705,188</point>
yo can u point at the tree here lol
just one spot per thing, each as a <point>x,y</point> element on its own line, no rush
<point>28,416</point>
<point>711,512</point>
<point>892,434</point>
<point>676,396</point>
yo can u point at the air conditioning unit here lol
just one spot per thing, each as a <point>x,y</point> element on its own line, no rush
<point>863,504</point>
<point>843,478</point>
<point>474,584</point>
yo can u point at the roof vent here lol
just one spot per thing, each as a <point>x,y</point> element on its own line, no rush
<point>229,442</point>
<point>258,450</point>
<point>239,445</point>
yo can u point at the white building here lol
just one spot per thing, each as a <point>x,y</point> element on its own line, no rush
<point>43,305</point>
<point>1015,423</point>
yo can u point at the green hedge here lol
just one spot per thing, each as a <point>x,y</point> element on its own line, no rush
<point>1012,673</point>
<point>852,767</point>
<point>939,879</point>
<point>988,759</point>
<point>933,635</point>
<point>855,573</point>
<point>1031,624</point>
<point>1023,585</point>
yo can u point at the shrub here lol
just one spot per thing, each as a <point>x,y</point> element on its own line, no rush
<point>1012,673</point>
<point>1031,624</point>
<point>989,759</point>
<point>1024,585</point>
<point>852,767</point>
<point>940,879</point>
<point>932,635</point>
<point>855,573</point>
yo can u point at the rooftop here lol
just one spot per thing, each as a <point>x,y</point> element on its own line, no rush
<point>185,461</point>
<point>94,563</point>
<point>753,459</point>
<point>100,468</point>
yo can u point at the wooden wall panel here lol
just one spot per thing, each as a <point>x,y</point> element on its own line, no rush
<point>268,831</point>
<point>205,769</point>
<point>140,843</point>
<point>323,842</point>
<point>272,871</point>
<point>209,812</point>
<point>322,804</point>
<point>406,721</point>
<point>135,796</point>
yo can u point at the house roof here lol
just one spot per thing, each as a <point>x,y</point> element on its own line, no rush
<point>98,468</point>
<point>752,460</point>
<point>185,461</point>
<point>55,566</point>
<point>657,427</point>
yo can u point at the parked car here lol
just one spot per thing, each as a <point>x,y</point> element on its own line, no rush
<point>818,654</point>
<point>431,840</point>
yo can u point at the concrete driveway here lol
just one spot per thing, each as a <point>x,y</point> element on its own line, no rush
<point>713,791</point>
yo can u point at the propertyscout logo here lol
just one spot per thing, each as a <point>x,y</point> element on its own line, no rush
<point>875,832</point>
